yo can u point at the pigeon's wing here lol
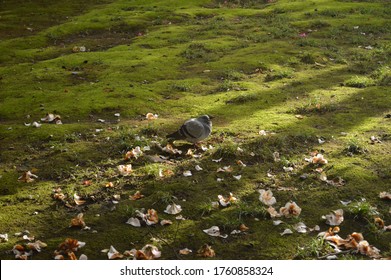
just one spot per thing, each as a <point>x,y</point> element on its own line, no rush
<point>192,129</point>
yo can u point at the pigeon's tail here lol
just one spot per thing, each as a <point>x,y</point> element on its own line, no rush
<point>175,136</point>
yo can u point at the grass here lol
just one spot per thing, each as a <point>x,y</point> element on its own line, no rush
<point>300,71</point>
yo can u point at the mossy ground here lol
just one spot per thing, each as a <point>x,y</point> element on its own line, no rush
<point>251,64</point>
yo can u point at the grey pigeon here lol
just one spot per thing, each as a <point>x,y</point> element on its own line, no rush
<point>193,130</point>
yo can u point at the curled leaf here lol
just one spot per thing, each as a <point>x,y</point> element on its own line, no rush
<point>214,231</point>
<point>273,212</point>
<point>385,195</point>
<point>151,116</point>
<point>114,254</point>
<point>187,173</point>
<point>206,251</point>
<point>4,237</point>
<point>291,209</point>
<point>226,201</point>
<point>151,217</point>
<point>134,153</point>
<point>36,246</point>
<point>319,159</point>
<point>173,209</point>
<point>27,177</point>
<point>335,218</point>
<point>286,231</point>
<point>137,195</point>
<point>78,200</point>
<point>198,168</point>
<point>300,227</point>
<point>185,251</point>
<point>266,197</point>
<point>171,150</point>
<point>78,221</point>
<point>165,222</point>
<point>134,222</point>
<point>125,170</point>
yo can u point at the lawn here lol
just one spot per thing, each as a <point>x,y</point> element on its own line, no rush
<point>286,81</point>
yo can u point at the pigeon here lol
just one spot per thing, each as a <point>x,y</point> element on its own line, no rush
<point>193,130</point>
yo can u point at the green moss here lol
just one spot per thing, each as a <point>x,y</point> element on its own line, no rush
<point>242,62</point>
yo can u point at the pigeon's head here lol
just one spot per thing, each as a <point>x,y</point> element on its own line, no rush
<point>205,119</point>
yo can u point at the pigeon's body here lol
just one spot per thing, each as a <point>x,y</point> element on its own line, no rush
<point>193,130</point>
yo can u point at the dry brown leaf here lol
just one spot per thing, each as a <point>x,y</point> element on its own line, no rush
<point>137,195</point>
<point>266,197</point>
<point>134,153</point>
<point>185,251</point>
<point>206,251</point>
<point>125,170</point>
<point>78,221</point>
<point>151,116</point>
<point>151,217</point>
<point>243,228</point>
<point>27,177</point>
<point>379,223</point>
<point>226,201</point>
<point>273,212</point>
<point>78,200</point>
<point>385,195</point>
<point>334,218</point>
<point>291,209</point>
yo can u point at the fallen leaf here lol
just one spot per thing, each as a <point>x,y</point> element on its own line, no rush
<point>243,228</point>
<point>273,212</point>
<point>291,209</point>
<point>83,257</point>
<point>134,153</point>
<point>240,163</point>
<point>237,177</point>
<point>335,218</point>
<point>379,223</point>
<point>319,159</point>
<point>114,254</point>
<point>288,169</point>
<point>171,150</point>
<point>266,197</point>
<point>187,173</point>
<point>134,222</point>
<point>137,195</point>
<point>276,156</point>
<point>286,231</point>
<point>277,222</point>
<point>173,209</point>
<point>198,168</point>
<point>226,201</point>
<point>151,217</point>
<point>165,222</point>
<point>206,251</point>
<point>27,177</point>
<point>151,251</point>
<point>300,227</point>
<point>217,160</point>
<point>109,185</point>
<point>78,199</point>
<point>3,237</point>
<point>385,195</point>
<point>365,249</point>
<point>225,169</point>
<point>125,170</point>
<point>213,231</point>
<point>185,251</point>
<point>78,221</point>
<point>36,246</point>
<point>151,116</point>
